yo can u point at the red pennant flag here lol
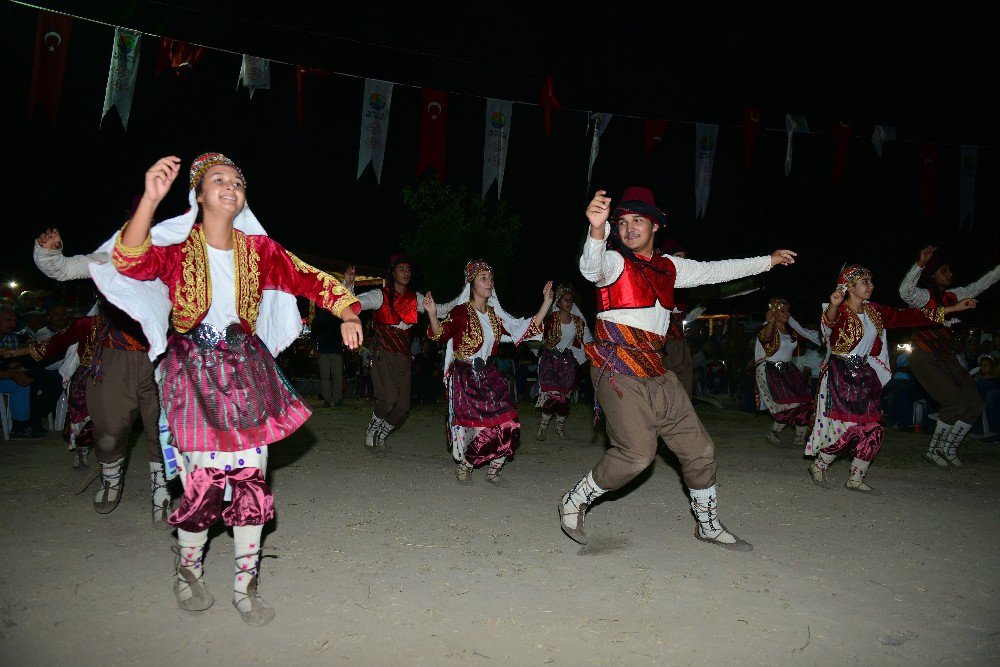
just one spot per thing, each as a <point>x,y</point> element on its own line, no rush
<point>433,132</point>
<point>842,133</point>
<point>654,129</point>
<point>177,55</point>
<point>51,46</point>
<point>548,102</point>
<point>300,73</point>
<point>751,130</point>
<point>928,162</point>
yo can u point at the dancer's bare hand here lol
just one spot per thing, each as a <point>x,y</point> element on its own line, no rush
<point>50,239</point>
<point>160,177</point>
<point>352,333</point>
<point>548,293</point>
<point>783,257</point>
<point>837,297</point>
<point>598,210</point>
<point>925,255</point>
<point>964,304</point>
<point>429,305</point>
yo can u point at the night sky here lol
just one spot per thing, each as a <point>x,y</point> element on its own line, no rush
<point>931,76</point>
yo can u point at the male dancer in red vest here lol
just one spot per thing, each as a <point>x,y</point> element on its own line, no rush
<point>396,308</point>
<point>641,399</point>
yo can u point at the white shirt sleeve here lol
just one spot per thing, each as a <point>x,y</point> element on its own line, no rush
<point>915,297</point>
<point>54,264</point>
<point>371,300</point>
<point>420,303</point>
<point>598,264</point>
<point>692,273</point>
<point>973,290</point>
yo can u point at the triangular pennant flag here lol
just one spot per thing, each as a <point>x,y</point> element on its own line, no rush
<point>255,74</point>
<point>882,134</point>
<point>498,117</point>
<point>374,125</point>
<point>793,123</point>
<point>842,133</point>
<point>653,131</point>
<point>928,176</point>
<point>967,192</point>
<point>706,137</point>
<point>122,74</point>
<point>751,130</point>
<point>548,101</point>
<point>601,121</point>
<point>433,132</point>
<point>177,55</point>
<point>52,32</point>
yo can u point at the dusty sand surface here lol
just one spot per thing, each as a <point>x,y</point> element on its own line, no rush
<point>389,561</point>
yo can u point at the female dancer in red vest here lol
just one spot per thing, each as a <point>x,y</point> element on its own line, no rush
<point>564,332</point>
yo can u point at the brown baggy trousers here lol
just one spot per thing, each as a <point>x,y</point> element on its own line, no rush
<point>126,389</point>
<point>677,358</point>
<point>949,385</point>
<point>391,376</point>
<point>650,408</point>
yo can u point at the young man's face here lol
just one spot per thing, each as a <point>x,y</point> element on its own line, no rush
<point>637,232</point>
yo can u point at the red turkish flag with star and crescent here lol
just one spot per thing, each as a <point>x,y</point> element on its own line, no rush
<point>177,55</point>
<point>51,46</point>
<point>653,131</point>
<point>433,132</point>
<point>751,130</point>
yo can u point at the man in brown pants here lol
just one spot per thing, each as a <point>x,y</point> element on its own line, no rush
<point>640,398</point>
<point>396,309</point>
<point>120,386</point>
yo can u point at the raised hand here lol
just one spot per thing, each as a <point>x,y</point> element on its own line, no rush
<point>964,304</point>
<point>925,255</point>
<point>598,210</point>
<point>50,239</point>
<point>837,297</point>
<point>160,177</point>
<point>548,293</point>
<point>429,305</point>
<point>783,257</point>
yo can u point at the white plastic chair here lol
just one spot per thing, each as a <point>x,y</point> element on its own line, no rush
<point>5,420</point>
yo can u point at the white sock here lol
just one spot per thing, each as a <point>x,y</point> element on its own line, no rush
<point>112,474</point>
<point>546,418</point>
<point>560,423</point>
<point>191,549</point>
<point>247,551</point>
<point>777,427</point>
<point>705,504</point>
<point>941,431</point>
<point>495,466</point>
<point>859,469</point>
<point>954,438</point>
<point>823,461</point>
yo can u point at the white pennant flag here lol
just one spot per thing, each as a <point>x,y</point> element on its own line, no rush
<point>705,139</point>
<point>882,134</point>
<point>601,121</point>
<point>374,125</point>
<point>967,192</point>
<point>793,123</point>
<point>255,74</point>
<point>498,114</point>
<point>121,76</point>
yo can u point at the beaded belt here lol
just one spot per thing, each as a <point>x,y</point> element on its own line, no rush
<point>208,337</point>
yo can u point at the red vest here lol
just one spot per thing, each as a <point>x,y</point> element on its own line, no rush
<point>639,286</point>
<point>404,308</point>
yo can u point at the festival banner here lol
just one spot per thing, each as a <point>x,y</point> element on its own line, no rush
<point>751,130</point>
<point>121,75</point>
<point>882,134</point>
<point>52,33</point>
<point>498,117</point>
<point>967,192</point>
<point>549,102</point>
<point>842,133</point>
<point>653,131</point>
<point>706,137</point>
<point>255,74</point>
<point>600,121</point>
<point>793,123</point>
<point>929,177</point>
<point>433,132</point>
<point>374,125</point>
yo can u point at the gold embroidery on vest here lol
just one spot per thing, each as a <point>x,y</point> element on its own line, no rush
<point>246,264</point>
<point>332,292</point>
<point>194,295</point>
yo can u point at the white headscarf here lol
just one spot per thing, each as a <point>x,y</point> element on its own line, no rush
<point>148,301</point>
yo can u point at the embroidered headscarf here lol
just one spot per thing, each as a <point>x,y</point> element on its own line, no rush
<point>851,274</point>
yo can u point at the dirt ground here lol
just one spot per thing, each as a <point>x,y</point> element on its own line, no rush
<point>389,561</point>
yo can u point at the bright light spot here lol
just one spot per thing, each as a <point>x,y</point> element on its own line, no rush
<point>12,284</point>
<point>905,347</point>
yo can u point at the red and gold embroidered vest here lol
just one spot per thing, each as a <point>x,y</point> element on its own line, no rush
<point>935,339</point>
<point>402,309</point>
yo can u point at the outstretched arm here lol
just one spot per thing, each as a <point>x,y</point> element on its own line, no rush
<point>692,273</point>
<point>50,260</point>
<point>973,290</point>
<point>597,264</point>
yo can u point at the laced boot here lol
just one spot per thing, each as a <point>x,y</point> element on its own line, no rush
<point>542,426</point>
<point>935,449</point>
<point>112,482</point>
<point>704,503</point>
<point>159,495</point>
<point>573,506</point>
<point>493,474</point>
